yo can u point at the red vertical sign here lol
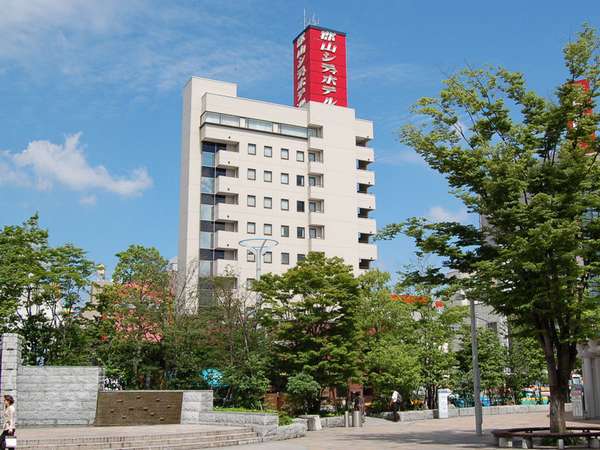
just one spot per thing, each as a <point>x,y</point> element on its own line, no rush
<point>320,67</point>
<point>585,85</point>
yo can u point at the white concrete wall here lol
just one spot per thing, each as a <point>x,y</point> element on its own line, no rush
<point>340,129</point>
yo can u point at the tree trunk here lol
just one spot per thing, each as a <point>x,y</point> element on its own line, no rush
<point>557,410</point>
<point>560,360</point>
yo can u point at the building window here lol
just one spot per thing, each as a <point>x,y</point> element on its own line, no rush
<point>285,153</point>
<point>299,180</point>
<point>268,202</point>
<point>250,256</point>
<point>268,257</point>
<point>315,131</point>
<point>252,174</point>
<point>260,125</point>
<point>268,229</point>
<point>312,206</point>
<point>300,232</point>
<point>285,178</point>
<point>300,206</point>
<point>252,149</point>
<point>250,283</point>
<point>301,257</point>
<point>312,156</point>
<point>285,204</point>
<point>300,156</point>
<point>251,228</point>
<point>251,200</point>
<point>268,152</point>
<point>316,232</point>
<point>285,231</point>
<point>285,258</point>
<point>268,176</point>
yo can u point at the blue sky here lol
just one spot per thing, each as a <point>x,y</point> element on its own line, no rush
<point>90,97</point>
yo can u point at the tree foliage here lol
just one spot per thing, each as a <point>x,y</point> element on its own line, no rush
<point>310,314</point>
<point>41,290</point>
<point>527,165</point>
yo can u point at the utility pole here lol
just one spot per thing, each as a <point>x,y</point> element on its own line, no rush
<point>476,374</point>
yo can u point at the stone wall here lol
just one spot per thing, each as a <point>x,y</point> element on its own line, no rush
<point>57,395</point>
<point>64,395</point>
<point>10,360</point>
<point>589,352</point>
<point>194,403</point>
<point>263,423</point>
<point>296,429</point>
<point>410,416</point>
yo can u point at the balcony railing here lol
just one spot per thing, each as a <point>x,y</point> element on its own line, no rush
<point>255,124</point>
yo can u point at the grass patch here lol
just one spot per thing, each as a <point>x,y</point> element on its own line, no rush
<point>284,419</point>
<point>244,410</point>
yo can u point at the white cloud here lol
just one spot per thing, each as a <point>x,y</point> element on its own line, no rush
<point>135,44</point>
<point>45,164</point>
<point>441,214</point>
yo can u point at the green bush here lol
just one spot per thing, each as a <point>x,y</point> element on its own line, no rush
<point>304,393</point>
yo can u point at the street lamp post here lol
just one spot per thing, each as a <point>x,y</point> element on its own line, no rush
<point>476,374</point>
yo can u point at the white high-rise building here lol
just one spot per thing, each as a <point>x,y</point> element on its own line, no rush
<point>253,169</point>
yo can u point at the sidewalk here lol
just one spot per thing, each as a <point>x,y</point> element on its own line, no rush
<point>454,433</point>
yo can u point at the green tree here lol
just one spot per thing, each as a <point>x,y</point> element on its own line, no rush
<point>493,362</point>
<point>310,314</point>
<point>424,331</point>
<point>435,325</point>
<point>526,364</point>
<point>434,331</point>
<point>528,166</point>
<point>41,291</point>
<point>377,316</point>
<point>233,324</point>
<point>135,312</point>
<point>390,366</point>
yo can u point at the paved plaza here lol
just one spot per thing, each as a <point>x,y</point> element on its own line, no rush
<point>421,435</point>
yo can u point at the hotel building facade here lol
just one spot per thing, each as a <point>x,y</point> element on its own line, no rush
<point>251,169</point>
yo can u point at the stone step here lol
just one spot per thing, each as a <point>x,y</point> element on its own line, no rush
<point>123,437</point>
<point>195,446</point>
<point>172,440</point>
<point>164,446</point>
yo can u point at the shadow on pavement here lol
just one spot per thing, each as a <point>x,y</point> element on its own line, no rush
<point>458,438</point>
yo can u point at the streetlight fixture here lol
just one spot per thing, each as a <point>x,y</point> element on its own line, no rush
<point>259,246</point>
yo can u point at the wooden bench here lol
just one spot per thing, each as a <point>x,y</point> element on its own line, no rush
<point>507,437</point>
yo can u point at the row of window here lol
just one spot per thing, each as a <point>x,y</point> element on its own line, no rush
<point>315,232</point>
<point>260,125</point>
<point>313,206</point>
<point>284,153</point>
<point>313,180</point>
<point>267,257</point>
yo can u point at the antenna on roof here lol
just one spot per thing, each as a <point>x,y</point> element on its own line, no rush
<point>310,20</point>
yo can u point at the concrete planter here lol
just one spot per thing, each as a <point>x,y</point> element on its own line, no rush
<point>263,423</point>
<point>332,422</point>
